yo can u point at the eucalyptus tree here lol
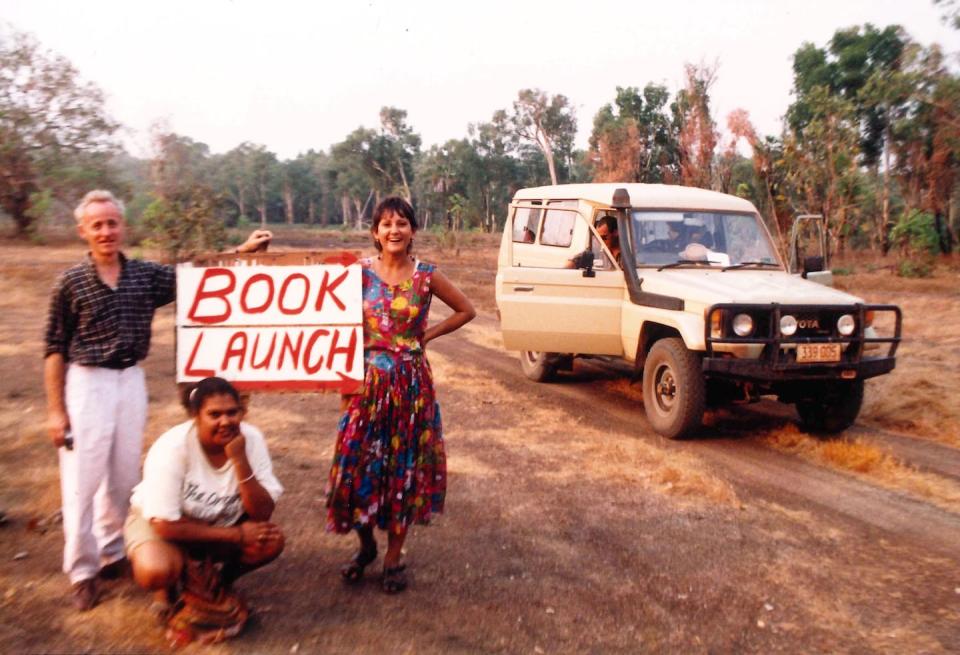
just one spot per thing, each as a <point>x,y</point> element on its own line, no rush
<point>400,147</point>
<point>633,138</point>
<point>696,131</point>
<point>55,135</point>
<point>548,122</point>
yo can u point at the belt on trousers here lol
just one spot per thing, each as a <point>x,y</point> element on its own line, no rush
<point>118,363</point>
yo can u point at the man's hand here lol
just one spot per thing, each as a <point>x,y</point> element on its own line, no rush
<point>236,448</point>
<point>583,260</point>
<point>258,241</point>
<point>57,426</point>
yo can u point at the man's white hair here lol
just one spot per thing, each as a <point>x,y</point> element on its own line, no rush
<point>97,195</point>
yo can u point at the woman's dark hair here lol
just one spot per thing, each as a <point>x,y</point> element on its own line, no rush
<point>195,395</point>
<point>395,205</point>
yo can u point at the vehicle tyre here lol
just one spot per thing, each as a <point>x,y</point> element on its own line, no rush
<point>834,410</point>
<point>674,389</point>
<point>538,366</point>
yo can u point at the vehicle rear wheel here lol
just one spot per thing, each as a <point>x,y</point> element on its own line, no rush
<point>833,409</point>
<point>538,366</point>
<point>674,390</point>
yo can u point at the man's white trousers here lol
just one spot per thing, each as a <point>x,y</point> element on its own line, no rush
<point>107,409</point>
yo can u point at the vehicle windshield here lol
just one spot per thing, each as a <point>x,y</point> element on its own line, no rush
<point>719,239</point>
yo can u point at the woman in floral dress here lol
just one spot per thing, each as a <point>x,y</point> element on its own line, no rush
<point>389,466</point>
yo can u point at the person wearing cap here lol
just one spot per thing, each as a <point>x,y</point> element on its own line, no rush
<point>698,233</point>
<point>98,330</point>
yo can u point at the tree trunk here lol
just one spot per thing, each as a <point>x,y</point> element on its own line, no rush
<point>242,201</point>
<point>288,202</point>
<point>345,208</point>
<point>885,211</point>
<point>358,225</point>
<point>548,155</point>
<point>311,211</point>
<point>403,177</point>
<point>262,206</point>
<point>363,212</point>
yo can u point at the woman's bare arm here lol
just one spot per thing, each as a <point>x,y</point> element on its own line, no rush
<point>463,311</point>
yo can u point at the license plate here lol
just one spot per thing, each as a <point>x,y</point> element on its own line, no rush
<point>818,352</point>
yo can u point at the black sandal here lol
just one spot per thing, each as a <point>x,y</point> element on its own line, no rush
<point>352,572</point>
<point>394,579</point>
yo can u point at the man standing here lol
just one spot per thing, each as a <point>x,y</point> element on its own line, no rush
<point>98,329</point>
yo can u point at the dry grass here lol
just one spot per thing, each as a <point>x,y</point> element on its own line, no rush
<point>866,460</point>
<point>921,396</point>
<point>585,452</point>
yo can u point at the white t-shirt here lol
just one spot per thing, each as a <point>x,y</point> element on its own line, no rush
<point>179,481</point>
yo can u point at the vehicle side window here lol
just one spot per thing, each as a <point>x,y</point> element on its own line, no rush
<point>558,227</point>
<point>525,223</point>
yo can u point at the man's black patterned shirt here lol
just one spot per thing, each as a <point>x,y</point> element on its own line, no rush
<point>93,325</point>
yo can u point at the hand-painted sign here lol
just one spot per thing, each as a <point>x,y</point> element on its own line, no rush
<point>290,327</point>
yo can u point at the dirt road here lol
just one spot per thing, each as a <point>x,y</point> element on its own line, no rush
<point>569,527</point>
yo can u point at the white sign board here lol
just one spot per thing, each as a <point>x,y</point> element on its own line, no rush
<point>271,327</point>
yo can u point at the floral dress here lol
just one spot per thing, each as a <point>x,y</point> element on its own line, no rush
<point>389,466</point>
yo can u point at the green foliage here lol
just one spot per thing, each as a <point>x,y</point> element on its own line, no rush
<point>915,234</point>
<point>54,132</point>
<point>843,270</point>
<point>41,204</point>
<point>915,268</point>
<point>547,122</point>
<point>183,228</point>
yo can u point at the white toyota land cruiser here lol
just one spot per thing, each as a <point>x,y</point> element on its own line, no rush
<point>690,289</point>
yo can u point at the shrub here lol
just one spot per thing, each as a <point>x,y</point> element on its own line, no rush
<point>915,236</point>
<point>915,268</point>
<point>186,226</point>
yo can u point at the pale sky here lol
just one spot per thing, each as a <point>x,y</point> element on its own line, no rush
<point>301,75</point>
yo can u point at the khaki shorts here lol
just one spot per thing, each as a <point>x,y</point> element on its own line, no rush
<point>137,531</point>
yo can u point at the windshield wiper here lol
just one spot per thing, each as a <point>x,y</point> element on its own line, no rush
<point>743,264</point>
<point>682,262</point>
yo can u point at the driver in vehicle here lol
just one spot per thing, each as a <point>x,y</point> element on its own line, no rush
<point>674,242</point>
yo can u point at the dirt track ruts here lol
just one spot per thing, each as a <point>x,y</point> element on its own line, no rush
<point>755,470</point>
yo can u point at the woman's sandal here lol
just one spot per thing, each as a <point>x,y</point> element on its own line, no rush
<point>394,579</point>
<point>352,572</point>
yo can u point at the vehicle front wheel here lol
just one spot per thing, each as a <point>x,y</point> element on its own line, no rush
<point>674,390</point>
<point>833,410</point>
<point>538,366</point>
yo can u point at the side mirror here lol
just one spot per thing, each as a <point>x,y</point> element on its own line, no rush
<point>585,261</point>
<point>812,264</point>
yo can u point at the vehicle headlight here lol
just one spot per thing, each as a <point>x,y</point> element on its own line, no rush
<point>846,325</point>
<point>742,325</point>
<point>788,325</point>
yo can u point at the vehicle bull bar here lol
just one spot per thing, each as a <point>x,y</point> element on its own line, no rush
<point>775,363</point>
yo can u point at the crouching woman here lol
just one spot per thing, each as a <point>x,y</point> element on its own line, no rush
<point>200,518</point>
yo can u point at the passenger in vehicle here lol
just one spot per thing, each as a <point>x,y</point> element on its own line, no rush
<point>608,233</point>
<point>698,233</point>
<point>606,227</point>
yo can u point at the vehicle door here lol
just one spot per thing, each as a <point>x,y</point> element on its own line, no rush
<point>546,304</point>
<point>809,249</point>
